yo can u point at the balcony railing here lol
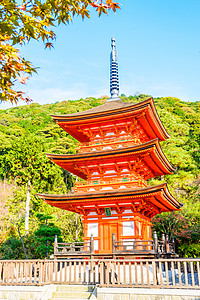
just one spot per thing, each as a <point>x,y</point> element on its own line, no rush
<point>98,185</point>
<point>73,249</point>
<point>124,247</point>
<point>113,143</point>
<point>135,247</point>
<point>111,181</point>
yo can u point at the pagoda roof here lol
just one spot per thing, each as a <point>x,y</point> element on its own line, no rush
<point>150,152</point>
<point>117,110</point>
<point>103,108</point>
<point>157,197</point>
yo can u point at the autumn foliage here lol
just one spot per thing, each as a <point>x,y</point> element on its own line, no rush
<point>24,20</point>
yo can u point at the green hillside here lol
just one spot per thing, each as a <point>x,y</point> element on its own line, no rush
<point>27,132</point>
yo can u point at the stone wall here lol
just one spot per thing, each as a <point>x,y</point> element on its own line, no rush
<point>26,292</point>
<point>45,293</point>
<point>146,294</point>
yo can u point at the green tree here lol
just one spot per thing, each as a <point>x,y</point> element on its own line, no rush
<point>11,249</point>
<point>171,224</point>
<point>45,235</point>
<point>26,160</point>
<point>30,127</point>
<point>24,20</point>
<point>15,222</point>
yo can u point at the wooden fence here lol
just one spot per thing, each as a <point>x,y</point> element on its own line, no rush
<point>166,273</point>
<point>151,247</point>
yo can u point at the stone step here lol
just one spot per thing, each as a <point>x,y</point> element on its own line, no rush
<point>71,294</point>
<point>62,299</point>
<point>75,288</point>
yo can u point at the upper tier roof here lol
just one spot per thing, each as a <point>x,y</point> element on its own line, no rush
<point>107,106</point>
<point>150,152</point>
<point>145,111</point>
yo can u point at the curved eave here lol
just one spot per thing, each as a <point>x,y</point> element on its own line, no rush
<point>157,196</point>
<point>149,120</point>
<point>150,152</point>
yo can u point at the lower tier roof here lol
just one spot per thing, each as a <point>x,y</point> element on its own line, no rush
<point>147,201</point>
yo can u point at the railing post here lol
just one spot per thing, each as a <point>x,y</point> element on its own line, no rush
<point>155,241</point>
<point>167,250</point>
<point>163,243</point>
<point>91,244</point>
<point>113,242</point>
<point>73,247</point>
<point>173,246</point>
<point>55,244</point>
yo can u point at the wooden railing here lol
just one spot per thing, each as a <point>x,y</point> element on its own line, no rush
<point>110,181</point>
<point>75,248</point>
<point>113,143</point>
<point>165,247</point>
<point>134,246</point>
<point>165,273</point>
<point>156,247</point>
<point>98,185</point>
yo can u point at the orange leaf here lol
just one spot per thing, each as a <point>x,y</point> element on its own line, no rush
<point>115,6</point>
<point>22,7</point>
<point>28,100</point>
<point>22,79</point>
<point>18,94</point>
<point>95,4</point>
<point>48,45</point>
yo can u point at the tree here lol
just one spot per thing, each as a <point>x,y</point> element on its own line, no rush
<point>171,224</point>
<point>34,19</point>
<point>26,161</point>
<point>184,228</point>
<point>11,249</point>
<point>15,220</point>
<point>27,131</point>
<point>45,235</point>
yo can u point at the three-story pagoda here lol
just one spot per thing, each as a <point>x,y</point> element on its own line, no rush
<point>119,151</point>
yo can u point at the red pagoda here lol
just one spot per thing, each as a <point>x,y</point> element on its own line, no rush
<point>119,151</point>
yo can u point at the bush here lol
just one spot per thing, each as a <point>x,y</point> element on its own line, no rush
<point>192,250</point>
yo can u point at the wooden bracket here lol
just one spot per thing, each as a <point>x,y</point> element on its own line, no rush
<point>99,210</point>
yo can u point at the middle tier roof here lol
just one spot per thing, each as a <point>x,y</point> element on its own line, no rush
<point>147,160</point>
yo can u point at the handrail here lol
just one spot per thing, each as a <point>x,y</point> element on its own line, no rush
<point>155,247</point>
<point>133,246</point>
<point>113,181</point>
<point>108,142</point>
<point>69,248</point>
<point>159,273</point>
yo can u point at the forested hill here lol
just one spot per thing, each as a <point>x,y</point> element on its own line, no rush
<point>27,132</point>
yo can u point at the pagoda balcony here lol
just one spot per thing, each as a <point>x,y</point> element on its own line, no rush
<point>112,184</point>
<point>106,145</point>
<point>138,247</point>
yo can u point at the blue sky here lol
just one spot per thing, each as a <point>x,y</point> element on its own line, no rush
<point>158,44</point>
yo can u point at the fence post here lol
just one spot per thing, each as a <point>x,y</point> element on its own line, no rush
<point>91,244</point>
<point>113,243</point>
<point>55,244</point>
<point>164,249</point>
<point>102,268</point>
<point>167,250</point>
<point>172,250</point>
<point>73,246</point>
<point>155,241</point>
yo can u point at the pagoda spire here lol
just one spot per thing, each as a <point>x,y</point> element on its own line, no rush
<point>114,80</point>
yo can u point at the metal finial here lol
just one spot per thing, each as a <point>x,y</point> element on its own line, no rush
<point>114,80</point>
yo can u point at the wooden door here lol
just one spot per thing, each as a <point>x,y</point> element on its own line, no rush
<point>106,236</point>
